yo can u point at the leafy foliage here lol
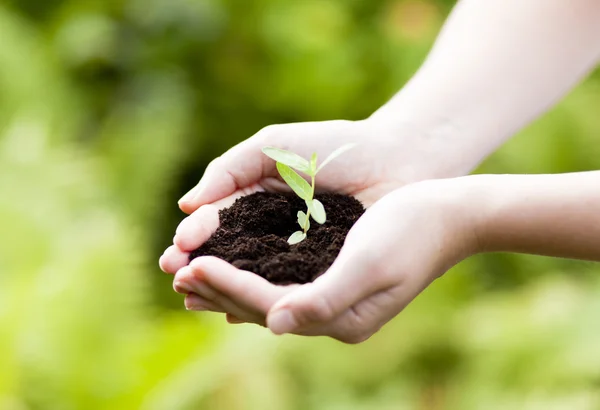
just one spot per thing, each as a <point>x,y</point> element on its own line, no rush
<point>286,162</point>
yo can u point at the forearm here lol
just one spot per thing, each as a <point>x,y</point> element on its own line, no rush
<point>496,66</point>
<point>554,215</point>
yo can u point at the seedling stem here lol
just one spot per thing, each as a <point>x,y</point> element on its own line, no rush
<point>287,162</point>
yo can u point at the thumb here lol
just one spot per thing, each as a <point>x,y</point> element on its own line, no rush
<point>353,277</point>
<point>238,168</point>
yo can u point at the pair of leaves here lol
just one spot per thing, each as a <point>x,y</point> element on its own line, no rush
<point>286,163</point>
<point>304,222</point>
<point>289,158</point>
<point>303,190</point>
<point>298,163</point>
<point>316,210</point>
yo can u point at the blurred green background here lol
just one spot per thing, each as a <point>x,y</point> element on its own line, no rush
<point>111,109</point>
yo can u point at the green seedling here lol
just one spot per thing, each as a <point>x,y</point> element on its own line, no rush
<point>287,162</point>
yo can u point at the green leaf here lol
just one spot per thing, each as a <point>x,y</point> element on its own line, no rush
<point>313,165</point>
<point>317,211</point>
<point>336,154</point>
<point>296,237</point>
<point>302,220</point>
<point>288,158</point>
<point>295,181</point>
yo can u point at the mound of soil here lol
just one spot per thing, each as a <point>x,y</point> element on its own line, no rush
<point>253,235</point>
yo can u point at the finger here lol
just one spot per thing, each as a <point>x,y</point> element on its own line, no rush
<point>244,164</point>
<point>322,301</point>
<point>194,230</point>
<point>361,321</point>
<point>186,282</point>
<point>369,283</point>
<point>357,273</point>
<point>244,288</point>
<point>358,323</point>
<point>196,302</point>
<point>238,168</point>
<point>233,320</point>
<point>191,280</point>
<point>173,259</point>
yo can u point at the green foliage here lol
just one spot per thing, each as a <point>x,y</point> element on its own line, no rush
<point>316,210</point>
<point>110,110</point>
<point>288,158</point>
<point>331,157</point>
<point>302,188</point>
<point>285,161</point>
<point>297,236</point>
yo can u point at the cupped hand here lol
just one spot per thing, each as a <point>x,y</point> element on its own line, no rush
<point>380,163</point>
<point>397,248</point>
<point>384,159</point>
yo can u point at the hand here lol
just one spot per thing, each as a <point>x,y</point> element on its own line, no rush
<point>400,245</point>
<point>388,156</point>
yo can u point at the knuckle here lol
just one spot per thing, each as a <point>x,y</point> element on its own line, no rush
<point>315,310</point>
<point>357,329</point>
<point>182,227</point>
<point>196,267</point>
<point>214,164</point>
<point>205,212</point>
<point>180,241</point>
<point>269,133</point>
<point>379,268</point>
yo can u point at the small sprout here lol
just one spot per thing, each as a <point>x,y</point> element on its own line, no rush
<point>317,211</point>
<point>297,237</point>
<point>303,220</point>
<point>287,162</point>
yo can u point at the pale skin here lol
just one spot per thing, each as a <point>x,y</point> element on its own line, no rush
<point>495,67</point>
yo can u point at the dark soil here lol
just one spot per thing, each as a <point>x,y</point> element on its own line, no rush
<point>253,235</point>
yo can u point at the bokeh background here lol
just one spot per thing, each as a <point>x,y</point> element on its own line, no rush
<point>111,109</point>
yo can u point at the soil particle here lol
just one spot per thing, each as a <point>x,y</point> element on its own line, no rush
<point>253,235</point>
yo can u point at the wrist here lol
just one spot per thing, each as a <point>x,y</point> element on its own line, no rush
<point>481,197</point>
<point>441,145</point>
<point>468,204</point>
<point>455,205</point>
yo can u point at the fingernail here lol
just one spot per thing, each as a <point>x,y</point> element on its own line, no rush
<point>199,192</point>
<point>195,306</point>
<point>161,262</point>
<point>189,196</point>
<point>282,321</point>
<point>181,287</point>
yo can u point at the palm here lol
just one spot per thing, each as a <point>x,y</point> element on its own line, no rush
<point>367,172</point>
